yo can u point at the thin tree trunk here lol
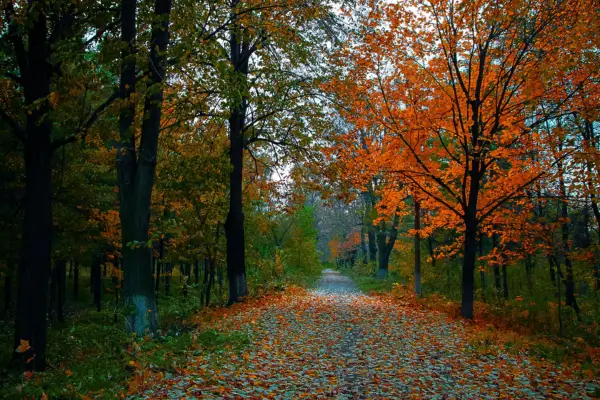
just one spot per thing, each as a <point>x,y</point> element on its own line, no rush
<point>482,269</point>
<point>497,282</point>
<point>363,245</point>
<point>76,280</point>
<point>552,270</point>
<point>168,271</point>
<point>61,266</point>
<point>7,291</point>
<point>159,266</point>
<point>570,299</point>
<point>96,278</point>
<point>504,281</point>
<point>52,297</point>
<point>418,290</point>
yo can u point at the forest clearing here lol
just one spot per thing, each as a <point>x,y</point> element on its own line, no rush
<point>292,198</point>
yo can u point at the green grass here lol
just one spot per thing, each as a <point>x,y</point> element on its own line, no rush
<point>90,353</point>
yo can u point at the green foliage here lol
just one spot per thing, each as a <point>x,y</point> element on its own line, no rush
<point>91,354</point>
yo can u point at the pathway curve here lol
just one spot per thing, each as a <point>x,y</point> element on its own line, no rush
<point>335,342</point>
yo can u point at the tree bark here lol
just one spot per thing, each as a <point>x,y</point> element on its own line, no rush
<point>76,280</point>
<point>96,278</point>
<point>497,278</point>
<point>234,224</point>
<point>137,169</point>
<point>7,291</point>
<point>570,299</point>
<point>61,272</point>
<point>504,281</point>
<point>34,269</point>
<point>418,289</point>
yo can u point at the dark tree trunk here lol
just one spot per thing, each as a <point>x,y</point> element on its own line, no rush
<point>52,296</point>
<point>382,270</point>
<point>570,299</point>
<point>70,269</point>
<point>363,245</point>
<point>76,280</point>
<point>7,291</point>
<point>386,241</point>
<point>61,266</point>
<point>167,273</point>
<point>372,244</point>
<point>552,269</point>
<point>159,265</point>
<point>96,278</point>
<point>529,272</point>
<point>34,269</point>
<point>418,290</point>
<point>430,248</point>
<point>482,269</point>
<point>206,276</point>
<point>211,280</point>
<point>196,271</point>
<point>504,281</point>
<point>137,171</point>
<point>497,278</point>
<point>234,225</point>
<point>468,269</point>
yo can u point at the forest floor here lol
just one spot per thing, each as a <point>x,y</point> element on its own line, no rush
<point>335,342</point>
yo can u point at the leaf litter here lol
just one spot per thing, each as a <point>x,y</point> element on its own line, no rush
<point>335,342</point>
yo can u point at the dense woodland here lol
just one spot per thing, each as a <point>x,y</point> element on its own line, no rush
<point>159,157</point>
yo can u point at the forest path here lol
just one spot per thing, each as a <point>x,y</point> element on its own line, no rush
<point>335,342</point>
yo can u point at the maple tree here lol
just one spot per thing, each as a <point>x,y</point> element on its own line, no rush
<point>456,107</point>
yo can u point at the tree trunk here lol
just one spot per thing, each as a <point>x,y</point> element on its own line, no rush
<point>137,171</point>
<point>234,225</point>
<point>70,269</point>
<point>482,269</point>
<point>529,272</point>
<point>382,271</point>
<point>211,280</point>
<point>76,280</point>
<point>372,244</point>
<point>497,282</point>
<point>418,290</point>
<point>552,270</point>
<point>159,264</point>
<point>167,273</point>
<point>96,278</point>
<point>468,270</point>
<point>504,281</point>
<point>61,272</point>
<point>363,245</point>
<point>7,291</point>
<point>196,271</point>
<point>570,299</point>
<point>52,296</point>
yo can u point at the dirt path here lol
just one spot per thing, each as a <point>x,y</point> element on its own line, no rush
<point>335,342</point>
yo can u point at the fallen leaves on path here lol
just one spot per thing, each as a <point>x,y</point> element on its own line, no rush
<point>336,342</point>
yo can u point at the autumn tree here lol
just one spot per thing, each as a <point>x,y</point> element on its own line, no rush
<point>458,90</point>
<point>46,60</point>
